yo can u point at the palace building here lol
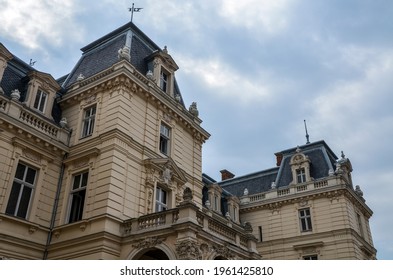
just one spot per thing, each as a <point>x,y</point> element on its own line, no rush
<point>106,163</point>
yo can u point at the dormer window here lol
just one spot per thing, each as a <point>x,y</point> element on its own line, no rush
<point>300,167</point>
<point>40,101</point>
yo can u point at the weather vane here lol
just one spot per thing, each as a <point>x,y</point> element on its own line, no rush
<point>133,9</point>
<point>307,136</point>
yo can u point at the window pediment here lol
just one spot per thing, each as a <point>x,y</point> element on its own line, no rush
<point>167,170</point>
<point>44,80</point>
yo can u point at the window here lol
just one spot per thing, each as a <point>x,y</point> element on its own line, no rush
<point>165,133</point>
<point>305,219</point>
<point>161,200</point>
<point>78,194</point>
<point>216,204</point>
<point>260,234</point>
<point>301,175</point>
<point>164,81</point>
<point>21,192</point>
<point>310,257</point>
<point>40,100</point>
<point>88,121</point>
<point>360,225</point>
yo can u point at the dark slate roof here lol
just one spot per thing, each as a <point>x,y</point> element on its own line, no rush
<point>15,77</point>
<point>322,159</point>
<point>97,60</point>
<point>103,53</point>
<point>255,182</point>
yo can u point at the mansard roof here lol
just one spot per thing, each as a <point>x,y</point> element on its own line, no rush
<point>321,157</point>
<point>103,53</point>
<point>18,74</point>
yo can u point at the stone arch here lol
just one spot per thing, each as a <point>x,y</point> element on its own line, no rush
<point>159,252</point>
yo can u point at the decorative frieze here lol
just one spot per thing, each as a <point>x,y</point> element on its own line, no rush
<point>148,242</point>
<point>188,250</point>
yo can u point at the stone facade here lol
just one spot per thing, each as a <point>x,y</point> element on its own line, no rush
<point>106,163</point>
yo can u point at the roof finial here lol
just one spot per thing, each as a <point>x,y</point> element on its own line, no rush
<point>307,136</point>
<point>132,10</point>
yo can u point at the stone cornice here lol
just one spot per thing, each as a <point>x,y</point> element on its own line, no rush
<point>123,75</point>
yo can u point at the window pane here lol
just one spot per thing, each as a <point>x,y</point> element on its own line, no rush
<point>24,202</point>
<point>84,179</point>
<point>20,171</point>
<point>30,176</point>
<point>42,104</point>
<point>13,200</point>
<point>77,204</point>
<point>77,180</point>
<point>37,99</point>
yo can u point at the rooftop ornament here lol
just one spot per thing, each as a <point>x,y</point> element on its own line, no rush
<point>15,94</point>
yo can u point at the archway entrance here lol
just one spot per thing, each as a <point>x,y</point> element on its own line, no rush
<point>220,258</point>
<point>152,254</point>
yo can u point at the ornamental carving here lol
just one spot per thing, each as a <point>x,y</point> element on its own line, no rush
<point>32,156</point>
<point>148,242</point>
<point>223,251</point>
<point>188,250</point>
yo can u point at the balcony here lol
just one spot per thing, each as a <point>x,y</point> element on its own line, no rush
<point>18,115</point>
<point>291,190</point>
<point>188,214</point>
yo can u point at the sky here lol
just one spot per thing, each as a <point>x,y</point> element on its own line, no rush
<point>257,69</point>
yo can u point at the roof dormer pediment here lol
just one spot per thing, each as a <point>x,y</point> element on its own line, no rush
<point>5,53</point>
<point>166,59</point>
<point>47,81</point>
<point>167,170</point>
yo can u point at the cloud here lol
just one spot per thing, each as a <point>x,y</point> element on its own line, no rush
<point>270,16</point>
<point>33,21</point>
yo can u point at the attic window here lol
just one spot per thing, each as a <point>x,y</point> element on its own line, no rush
<point>164,80</point>
<point>40,101</point>
<point>301,175</point>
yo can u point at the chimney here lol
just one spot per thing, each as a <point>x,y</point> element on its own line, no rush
<point>279,157</point>
<point>225,174</point>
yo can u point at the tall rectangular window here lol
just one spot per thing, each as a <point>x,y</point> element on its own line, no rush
<point>89,115</point>
<point>360,225</point>
<point>21,192</point>
<point>161,200</point>
<point>305,219</point>
<point>165,134</point>
<point>260,233</point>
<point>40,100</point>
<point>301,175</point>
<point>78,195</point>
<point>164,81</point>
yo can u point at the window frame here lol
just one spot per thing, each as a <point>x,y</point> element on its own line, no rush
<point>77,188</point>
<point>38,103</point>
<point>165,139</point>
<point>313,257</point>
<point>23,185</point>
<point>301,175</point>
<point>164,80</point>
<point>305,219</point>
<point>161,199</point>
<point>88,121</point>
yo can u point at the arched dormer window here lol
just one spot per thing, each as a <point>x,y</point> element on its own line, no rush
<point>300,168</point>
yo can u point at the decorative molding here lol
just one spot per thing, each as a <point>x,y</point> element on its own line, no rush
<point>188,250</point>
<point>148,242</point>
<point>31,155</point>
